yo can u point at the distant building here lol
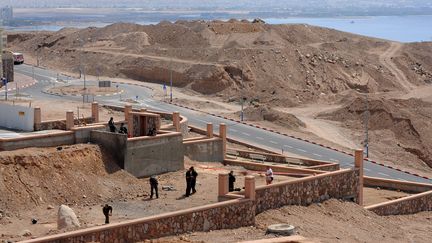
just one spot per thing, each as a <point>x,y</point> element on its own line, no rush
<point>6,15</point>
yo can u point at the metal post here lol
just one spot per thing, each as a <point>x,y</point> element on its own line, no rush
<point>33,72</point>
<point>242,96</point>
<point>6,91</point>
<point>367,127</point>
<point>171,81</point>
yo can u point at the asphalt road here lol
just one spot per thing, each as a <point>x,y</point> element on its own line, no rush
<point>236,130</point>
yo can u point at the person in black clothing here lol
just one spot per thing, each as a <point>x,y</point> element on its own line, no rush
<point>231,180</point>
<point>154,186</point>
<point>107,211</point>
<point>194,175</point>
<point>188,182</point>
<point>111,125</point>
<point>122,129</point>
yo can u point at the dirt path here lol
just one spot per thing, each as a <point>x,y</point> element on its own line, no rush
<point>386,59</point>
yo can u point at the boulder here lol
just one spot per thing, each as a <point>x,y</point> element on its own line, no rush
<point>66,218</point>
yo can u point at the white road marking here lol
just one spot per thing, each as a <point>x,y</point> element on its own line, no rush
<point>301,150</point>
<point>319,155</point>
<point>366,169</point>
<point>246,134</point>
<point>383,174</point>
<point>400,179</point>
<point>288,146</point>
<point>260,138</point>
<point>273,142</point>
<point>335,160</point>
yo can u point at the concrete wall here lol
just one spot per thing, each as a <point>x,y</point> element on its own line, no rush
<point>205,150</point>
<point>339,184</point>
<point>83,134</point>
<point>405,186</point>
<point>146,156</point>
<point>223,215</point>
<point>113,143</point>
<point>40,140</point>
<point>406,205</point>
<point>61,124</point>
<point>16,117</point>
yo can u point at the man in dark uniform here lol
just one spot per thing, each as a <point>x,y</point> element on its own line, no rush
<point>111,125</point>
<point>193,179</point>
<point>231,180</point>
<point>154,186</point>
<point>188,182</point>
<point>123,129</point>
<point>107,211</point>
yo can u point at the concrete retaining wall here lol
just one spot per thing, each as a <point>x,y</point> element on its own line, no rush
<point>406,205</point>
<point>205,150</point>
<point>339,184</point>
<point>223,215</point>
<point>40,140</point>
<point>113,143</point>
<point>405,186</point>
<point>83,134</point>
<point>146,156</point>
<point>16,117</point>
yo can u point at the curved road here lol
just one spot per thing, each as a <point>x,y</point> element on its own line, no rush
<point>236,130</point>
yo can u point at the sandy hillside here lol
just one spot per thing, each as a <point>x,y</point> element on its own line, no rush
<point>289,74</point>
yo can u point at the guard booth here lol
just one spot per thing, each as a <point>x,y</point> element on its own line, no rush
<point>144,123</point>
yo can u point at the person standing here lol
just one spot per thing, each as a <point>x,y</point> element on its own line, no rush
<point>193,179</point>
<point>111,125</point>
<point>231,180</point>
<point>154,186</point>
<point>188,182</point>
<point>269,175</point>
<point>107,211</point>
<point>123,129</point>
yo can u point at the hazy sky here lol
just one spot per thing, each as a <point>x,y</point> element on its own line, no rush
<point>218,3</point>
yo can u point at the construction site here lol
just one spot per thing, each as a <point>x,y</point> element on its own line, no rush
<point>57,149</point>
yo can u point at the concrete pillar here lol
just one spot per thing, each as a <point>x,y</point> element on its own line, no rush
<point>210,130</point>
<point>176,121</point>
<point>127,110</point>
<point>223,184</point>
<point>69,120</point>
<point>95,112</point>
<point>130,125</point>
<point>250,187</point>
<point>37,118</point>
<point>358,162</point>
<point>223,135</point>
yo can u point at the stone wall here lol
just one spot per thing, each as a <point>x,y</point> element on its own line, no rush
<point>61,124</point>
<point>406,205</point>
<point>292,171</point>
<point>341,184</point>
<point>224,215</point>
<point>405,186</point>
<point>146,156</point>
<point>205,150</point>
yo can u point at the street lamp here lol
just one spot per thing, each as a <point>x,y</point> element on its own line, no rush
<point>171,81</point>
<point>366,124</point>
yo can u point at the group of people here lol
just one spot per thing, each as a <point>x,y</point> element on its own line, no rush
<point>113,128</point>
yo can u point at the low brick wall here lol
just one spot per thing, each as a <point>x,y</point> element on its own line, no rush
<point>224,215</point>
<point>406,205</point>
<point>405,186</point>
<point>276,168</point>
<point>39,140</point>
<point>205,150</point>
<point>61,124</point>
<point>341,184</point>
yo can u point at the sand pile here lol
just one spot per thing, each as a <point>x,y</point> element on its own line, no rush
<point>266,113</point>
<point>46,176</point>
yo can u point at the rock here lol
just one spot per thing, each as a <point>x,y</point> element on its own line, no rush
<point>66,218</point>
<point>84,196</point>
<point>26,233</point>
<point>50,207</point>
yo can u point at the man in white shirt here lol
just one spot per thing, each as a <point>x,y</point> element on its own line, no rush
<point>269,175</point>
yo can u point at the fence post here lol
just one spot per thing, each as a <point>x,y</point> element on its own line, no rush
<point>69,120</point>
<point>209,130</point>
<point>250,187</point>
<point>358,162</point>
<point>37,118</point>
<point>95,112</point>
<point>176,121</point>
<point>222,184</point>
<point>223,136</point>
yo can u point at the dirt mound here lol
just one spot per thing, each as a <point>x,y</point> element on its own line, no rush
<point>47,176</point>
<point>266,113</point>
<point>408,120</point>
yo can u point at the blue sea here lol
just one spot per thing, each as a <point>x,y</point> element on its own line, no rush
<point>415,28</point>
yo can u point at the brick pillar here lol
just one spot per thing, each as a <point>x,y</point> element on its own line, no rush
<point>222,135</point>
<point>358,162</point>
<point>176,121</point>
<point>95,112</point>
<point>250,187</point>
<point>69,120</point>
<point>210,130</point>
<point>127,110</point>
<point>37,118</point>
<point>130,125</point>
<point>223,184</point>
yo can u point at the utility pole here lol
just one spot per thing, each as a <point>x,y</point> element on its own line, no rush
<point>242,97</point>
<point>367,127</point>
<point>171,81</point>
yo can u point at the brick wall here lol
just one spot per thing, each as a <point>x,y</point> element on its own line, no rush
<point>406,205</point>
<point>225,215</point>
<point>340,184</point>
